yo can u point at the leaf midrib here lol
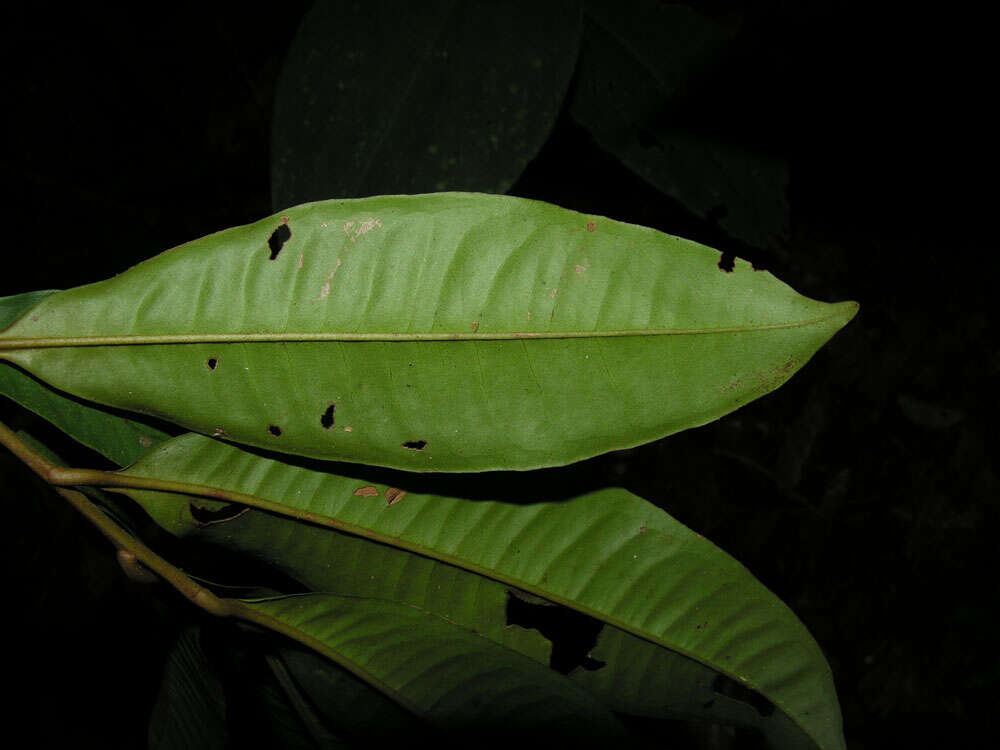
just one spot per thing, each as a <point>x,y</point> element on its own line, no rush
<point>266,337</point>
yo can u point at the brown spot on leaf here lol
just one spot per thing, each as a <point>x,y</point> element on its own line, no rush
<point>643,529</point>
<point>144,441</point>
<point>474,326</point>
<point>591,226</point>
<point>219,432</point>
<point>367,491</point>
<point>393,495</point>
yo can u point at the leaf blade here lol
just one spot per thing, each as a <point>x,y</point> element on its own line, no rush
<point>607,554</point>
<point>440,327</point>
<point>117,438</point>
<point>453,678</point>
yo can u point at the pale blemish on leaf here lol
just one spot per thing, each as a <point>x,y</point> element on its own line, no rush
<point>357,229</point>
<point>324,291</point>
<point>393,495</point>
<point>367,491</point>
<point>348,429</point>
<point>580,268</point>
<point>554,292</point>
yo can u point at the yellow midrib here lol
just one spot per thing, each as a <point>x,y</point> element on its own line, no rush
<point>264,337</point>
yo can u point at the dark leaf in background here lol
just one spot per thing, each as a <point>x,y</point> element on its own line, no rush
<point>383,97</point>
<point>637,92</point>
<point>354,708</point>
<point>190,709</point>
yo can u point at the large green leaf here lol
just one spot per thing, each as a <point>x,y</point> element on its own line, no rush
<point>445,332</point>
<point>637,676</point>
<point>456,680</point>
<point>115,437</point>
<point>608,554</point>
<point>369,101</point>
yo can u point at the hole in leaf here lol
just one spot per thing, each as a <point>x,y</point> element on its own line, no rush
<point>730,688</point>
<point>212,363</point>
<point>327,418</point>
<point>573,634</point>
<point>727,262</point>
<point>274,430</point>
<point>277,240</point>
<point>209,516</point>
<point>415,445</point>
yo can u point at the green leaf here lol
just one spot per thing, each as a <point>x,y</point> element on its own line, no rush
<point>638,65</point>
<point>346,703</point>
<point>454,679</point>
<point>369,101</point>
<point>325,560</point>
<point>638,677</point>
<point>449,332</point>
<point>190,708</point>
<point>608,554</point>
<point>642,679</point>
<point>117,438</point>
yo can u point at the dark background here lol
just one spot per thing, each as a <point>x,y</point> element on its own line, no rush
<point>861,492</point>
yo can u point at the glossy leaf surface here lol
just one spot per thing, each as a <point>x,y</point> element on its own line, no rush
<point>608,554</point>
<point>443,332</point>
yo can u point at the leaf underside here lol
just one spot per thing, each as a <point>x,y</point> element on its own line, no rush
<point>608,554</point>
<point>442,332</point>
<point>451,677</point>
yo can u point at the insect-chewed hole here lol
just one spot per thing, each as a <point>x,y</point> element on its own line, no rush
<point>573,634</point>
<point>274,430</point>
<point>277,240</point>
<point>327,417</point>
<point>415,445</point>
<point>727,262</point>
<point>212,363</point>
